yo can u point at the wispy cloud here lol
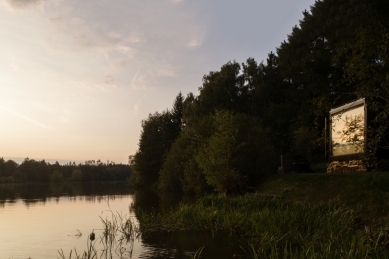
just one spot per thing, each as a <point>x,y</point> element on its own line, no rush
<point>136,74</point>
<point>38,123</point>
<point>104,84</point>
<point>118,64</point>
<point>142,83</point>
<point>130,31</point>
<point>84,55</point>
<point>26,118</point>
<point>109,80</point>
<point>166,71</point>
<point>19,4</point>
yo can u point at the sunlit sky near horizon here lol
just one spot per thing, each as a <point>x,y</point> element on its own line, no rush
<point>77,77</point>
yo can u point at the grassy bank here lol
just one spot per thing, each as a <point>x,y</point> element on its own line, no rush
<point>294,216</point>
<point>365,193</point>
<point>277,227</point>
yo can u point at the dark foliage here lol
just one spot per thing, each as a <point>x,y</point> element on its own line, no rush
<point>31,170</point>
<point>337,53</point>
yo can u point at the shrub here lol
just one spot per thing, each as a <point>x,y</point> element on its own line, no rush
<point>76,176</point>
<point>56,176</point>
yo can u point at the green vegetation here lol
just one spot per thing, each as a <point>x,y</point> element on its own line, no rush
<point>31,170</point>
<point>91,252</point>
<point>76,176</point>
<point>56,177</point>
<point>237,154</point>
<point>277,227</point>
<point>292,216</point>
<point>365,193</point>
<point>119,234</point>
<point>158,134</point>
<point>225,140</point>
<point>338,53</point>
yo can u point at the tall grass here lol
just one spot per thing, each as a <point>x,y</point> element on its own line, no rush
<point>118,231</point>
<point>197,254</point>
<point>90,253</point>
<point>118,235</point>
<point>276,227</point>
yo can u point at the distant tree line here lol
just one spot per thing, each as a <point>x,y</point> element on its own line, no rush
<point>227,138</point>
<point>31,170</point>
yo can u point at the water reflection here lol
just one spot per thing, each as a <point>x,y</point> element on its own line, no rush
<point>39,219</point>
<point>149,200</point>
<point>41,193</point>
<point>182,244</point>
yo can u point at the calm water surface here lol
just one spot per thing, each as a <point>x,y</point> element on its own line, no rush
<point>37,220</point>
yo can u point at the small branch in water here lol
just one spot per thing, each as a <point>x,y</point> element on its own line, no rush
<point>77,235</point>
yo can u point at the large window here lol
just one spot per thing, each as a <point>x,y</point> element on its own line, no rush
<point>348,127</point>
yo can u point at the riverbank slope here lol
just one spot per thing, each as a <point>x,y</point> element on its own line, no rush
<point>365,193</point>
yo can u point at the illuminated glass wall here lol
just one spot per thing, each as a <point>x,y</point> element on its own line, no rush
<point>348,129</point>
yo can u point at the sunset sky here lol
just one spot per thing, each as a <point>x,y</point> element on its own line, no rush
<point>77,77</point>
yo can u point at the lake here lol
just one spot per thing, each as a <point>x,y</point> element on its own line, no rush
<point>37,220</point>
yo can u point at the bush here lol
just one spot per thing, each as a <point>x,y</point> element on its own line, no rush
<point>56,176</point>
<point>238,154</point>
<point>76,176</point>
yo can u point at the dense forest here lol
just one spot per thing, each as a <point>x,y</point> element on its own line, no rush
<point>31,170</point>
<point>228,137</point>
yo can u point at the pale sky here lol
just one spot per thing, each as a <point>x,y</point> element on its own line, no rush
<point>78,76</point>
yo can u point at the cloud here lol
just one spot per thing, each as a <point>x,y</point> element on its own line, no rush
<point>105,84</point>
<point>136,74</point>
<point>127,28</point>
<point>135,109</point>
<point>56,19</point>
<point>19,4</point>
<point>114,35</point>
<point>166,71</point>
<point>141,83</point>
<point>111,40</point>
<point>124,49</point>
<point>118,64</point>
<point>194,43</point>
<point>108,80</point>
<point>27,118</point>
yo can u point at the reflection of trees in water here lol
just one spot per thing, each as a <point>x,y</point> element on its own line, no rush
<point>181,244</point>
<point>353,132</point>
<point>149,200</point>
<point>41,193</point>
<point>7,191</point>
<point>75,189</point>
<point>57,188</point>
<point>146,200</point>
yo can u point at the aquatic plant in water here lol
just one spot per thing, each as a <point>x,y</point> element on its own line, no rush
<point>118,235</point>
<point>91,252</point>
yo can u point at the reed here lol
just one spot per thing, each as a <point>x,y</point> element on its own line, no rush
<point>90,253</point>
<point>118,235</point>
<point>118,231</point>
<point>197,254</point>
